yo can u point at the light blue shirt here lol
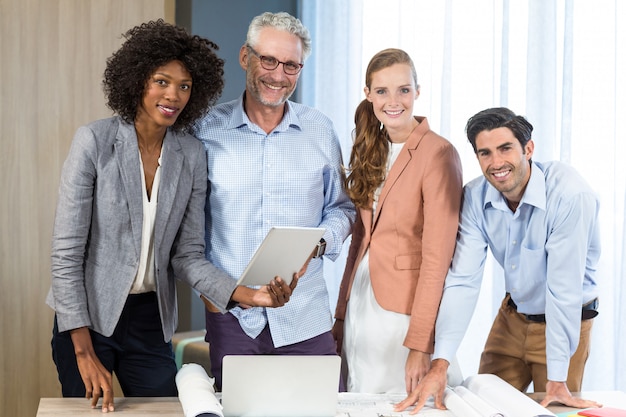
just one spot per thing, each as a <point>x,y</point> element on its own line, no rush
<point>290,177</point>
<point>549,248</point>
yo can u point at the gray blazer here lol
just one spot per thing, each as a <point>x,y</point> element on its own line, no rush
<point>97,229</point>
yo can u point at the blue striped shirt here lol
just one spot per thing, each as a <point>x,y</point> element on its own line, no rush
<point>548,248</point>
<point>289,177</point>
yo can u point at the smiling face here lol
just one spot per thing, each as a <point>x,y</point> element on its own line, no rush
<point>271,87</point>
<point>167,92</point>
<point>504,162</point>
<point>392,93</point>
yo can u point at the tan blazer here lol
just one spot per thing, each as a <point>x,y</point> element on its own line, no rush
<point>412,236</point>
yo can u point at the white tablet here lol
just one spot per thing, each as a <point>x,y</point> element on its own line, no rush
<point>282,253</point>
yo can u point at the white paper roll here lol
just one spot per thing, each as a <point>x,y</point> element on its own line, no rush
<point>504,397</point>
<point>458,406</point>
<point>480,405</point>
<point>195,391</point>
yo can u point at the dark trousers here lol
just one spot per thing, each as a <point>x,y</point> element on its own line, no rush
<point>226,337</point>
<point>136,353</point>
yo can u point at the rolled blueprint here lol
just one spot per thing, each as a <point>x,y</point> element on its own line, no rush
<point>196,393</point>
<point>480,405</point>
<point>504,397</point>
<point>458,406</point>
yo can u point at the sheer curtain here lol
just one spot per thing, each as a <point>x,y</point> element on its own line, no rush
<point>561,63</point>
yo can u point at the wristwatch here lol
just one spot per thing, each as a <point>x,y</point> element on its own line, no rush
<point>321,248</point>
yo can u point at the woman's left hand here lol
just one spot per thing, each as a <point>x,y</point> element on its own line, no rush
<point>279,291</point>
<point>417,365</point>
<point>275,294</point>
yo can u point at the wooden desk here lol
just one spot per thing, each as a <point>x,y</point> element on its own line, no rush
<point>170,406</point>
<point>124,407</point>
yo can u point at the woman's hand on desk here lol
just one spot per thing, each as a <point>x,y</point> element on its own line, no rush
<point>432,385</point>
<point>97,379</point>
<point>417,365</point>
<point>557,392</point>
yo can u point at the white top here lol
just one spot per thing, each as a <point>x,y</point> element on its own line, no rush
<point>373,336</point>
<point>144,280</point>
<point>394,151</point>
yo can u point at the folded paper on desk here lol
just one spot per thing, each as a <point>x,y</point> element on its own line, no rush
<point>488,395</point>
<point>196,393</point>
<point>603,412</point>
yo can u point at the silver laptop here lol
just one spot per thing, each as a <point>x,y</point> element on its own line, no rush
<point>280,385</point>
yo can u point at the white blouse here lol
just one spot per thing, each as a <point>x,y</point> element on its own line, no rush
<point>145,279</point>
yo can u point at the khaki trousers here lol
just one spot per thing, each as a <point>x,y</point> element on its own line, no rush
<point>515,350</point>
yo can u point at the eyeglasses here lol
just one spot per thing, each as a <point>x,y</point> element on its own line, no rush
<point>270,63</point>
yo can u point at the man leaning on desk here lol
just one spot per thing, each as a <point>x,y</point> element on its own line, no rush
<point>540,221</point>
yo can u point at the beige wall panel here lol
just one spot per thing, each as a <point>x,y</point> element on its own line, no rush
<point>52,56</point>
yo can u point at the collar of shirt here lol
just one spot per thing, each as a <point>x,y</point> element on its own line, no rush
<point>240,118</point>
<point>534,195</point>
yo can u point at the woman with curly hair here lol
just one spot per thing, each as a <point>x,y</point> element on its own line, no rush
<point>130,220</point>
<point>406,183</point>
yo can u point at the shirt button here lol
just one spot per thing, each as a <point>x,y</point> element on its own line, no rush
<point>513,266</point>
<point>515,242</point>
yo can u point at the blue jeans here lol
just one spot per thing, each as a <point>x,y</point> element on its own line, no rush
<point>136,353</point>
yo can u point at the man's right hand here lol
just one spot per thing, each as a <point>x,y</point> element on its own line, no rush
<point>432,385</point>
<point>97,379</point>
<point>557,392</point>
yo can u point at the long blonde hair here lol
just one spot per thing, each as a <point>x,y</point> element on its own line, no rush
<point>369,152</point>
